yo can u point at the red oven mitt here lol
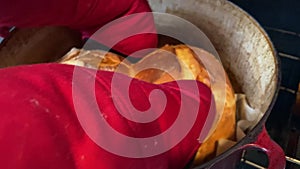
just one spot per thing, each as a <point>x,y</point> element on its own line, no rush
<point>43,123</point>
<point>86,16</point>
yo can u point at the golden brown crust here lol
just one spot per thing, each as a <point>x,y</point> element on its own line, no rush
<point>192,68</point>
<point>96,59</point>
<point>158,67</point>
<point>168,64</point>
<point>225,128</point>
<point>154,76</point>
<point>188,59</point>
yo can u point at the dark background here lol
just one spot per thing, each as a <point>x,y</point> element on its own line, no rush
<point>281,20</point>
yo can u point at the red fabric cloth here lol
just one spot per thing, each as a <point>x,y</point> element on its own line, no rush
<point>86,16</point>
<point>39,127</point>
<point>39,124</point>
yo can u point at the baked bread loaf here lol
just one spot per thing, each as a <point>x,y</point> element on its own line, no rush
<point>96,59</point>
<point>168,64</point>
